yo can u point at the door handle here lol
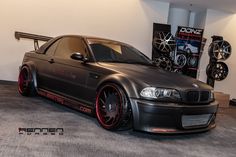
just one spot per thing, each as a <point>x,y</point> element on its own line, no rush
<point>51,61</point>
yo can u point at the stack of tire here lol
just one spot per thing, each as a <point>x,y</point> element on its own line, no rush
<point>219,51</point>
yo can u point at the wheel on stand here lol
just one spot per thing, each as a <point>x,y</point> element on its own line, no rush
<point>180,60</point>
<point>217,71</point>
<point>220,50</point>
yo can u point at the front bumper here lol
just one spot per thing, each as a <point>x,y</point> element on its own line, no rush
<point>163,117</point>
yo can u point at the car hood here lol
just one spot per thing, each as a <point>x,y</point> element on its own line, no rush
<point>154,76</point>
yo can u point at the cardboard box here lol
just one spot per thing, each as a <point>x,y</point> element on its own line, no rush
<point>222,98</point>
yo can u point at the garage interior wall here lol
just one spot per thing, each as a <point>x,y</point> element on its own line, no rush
<point>183,16</point>
<point>128,21</point>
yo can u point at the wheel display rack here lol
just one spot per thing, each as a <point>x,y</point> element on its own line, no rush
<point>219,50</point>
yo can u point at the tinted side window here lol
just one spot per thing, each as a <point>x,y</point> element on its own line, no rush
<point>52,48</point>
<point>70,45</point>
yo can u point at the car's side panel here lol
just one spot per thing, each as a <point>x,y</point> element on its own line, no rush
<point>43,62</point>
<point>128,84</point>
<point>67,101</point>
<point>70,78</point>
<point>94,75</point>
<point>32,67</point>
<point>45,78</point>
<point>70,75</point>
<point>38,65</point>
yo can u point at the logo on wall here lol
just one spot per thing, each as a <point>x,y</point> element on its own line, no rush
<point>188,43</point>
<point>180,53</point>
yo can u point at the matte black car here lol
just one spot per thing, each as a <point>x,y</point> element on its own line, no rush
<point>118,84</point>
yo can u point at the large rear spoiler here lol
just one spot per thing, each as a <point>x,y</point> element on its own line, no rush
<point>36,38</point>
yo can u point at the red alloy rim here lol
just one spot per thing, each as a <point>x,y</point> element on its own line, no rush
<point>23,81</point>
<point>109,106</point>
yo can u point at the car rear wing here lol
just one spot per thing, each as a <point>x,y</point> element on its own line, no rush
<point>35,37</point>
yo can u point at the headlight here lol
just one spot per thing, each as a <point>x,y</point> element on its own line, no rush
<point>212,95</point>
<point>158,93</point>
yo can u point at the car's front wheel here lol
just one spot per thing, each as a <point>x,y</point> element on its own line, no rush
<point>112,107</point>
<point>26,83</point>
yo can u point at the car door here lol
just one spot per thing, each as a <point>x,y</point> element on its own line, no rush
<point>69,75</point>
<point>44,66</point>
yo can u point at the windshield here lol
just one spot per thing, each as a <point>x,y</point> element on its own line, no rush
<point>105,51</point>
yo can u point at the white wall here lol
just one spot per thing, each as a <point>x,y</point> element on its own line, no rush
<point>129,21</point>
<point>200,19</point>
<point>192,19</point>
<point>178,17</point>
<point>222,24</point>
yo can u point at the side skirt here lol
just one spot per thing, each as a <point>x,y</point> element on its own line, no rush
<point>67,102</point>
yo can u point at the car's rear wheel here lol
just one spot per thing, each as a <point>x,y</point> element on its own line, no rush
<point>26,83</point>
<point>112,107</point>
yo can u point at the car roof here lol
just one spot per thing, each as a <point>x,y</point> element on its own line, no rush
<point>98,39</point>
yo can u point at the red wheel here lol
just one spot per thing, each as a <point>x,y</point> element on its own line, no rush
<point>112,107</point>
<point>25,82</point>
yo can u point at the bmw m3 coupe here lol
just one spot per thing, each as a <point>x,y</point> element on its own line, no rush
<point>117,84</point>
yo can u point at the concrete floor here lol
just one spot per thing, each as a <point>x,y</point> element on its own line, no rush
<point>84,137</point>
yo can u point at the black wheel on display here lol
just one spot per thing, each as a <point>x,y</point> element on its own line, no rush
<point>164,63</point>
<point>193,61</point>
<point>217,71</point>
<point>180,60</point>
<point>164,42</point>
<point>112,107</point>
<point>220,50</point>
<point>172,55</point>
<point>26,83</point>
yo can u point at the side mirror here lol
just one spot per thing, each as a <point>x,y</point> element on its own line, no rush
<point>79,56</point>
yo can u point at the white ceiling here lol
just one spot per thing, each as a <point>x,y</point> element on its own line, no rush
<point>223,5</point>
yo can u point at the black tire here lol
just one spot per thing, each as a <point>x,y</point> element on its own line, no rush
<point>26,82</point>
<point>112,107</point>
<point>217,71</point>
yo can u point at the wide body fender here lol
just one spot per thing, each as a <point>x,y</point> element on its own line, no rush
<point>33,71</point>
